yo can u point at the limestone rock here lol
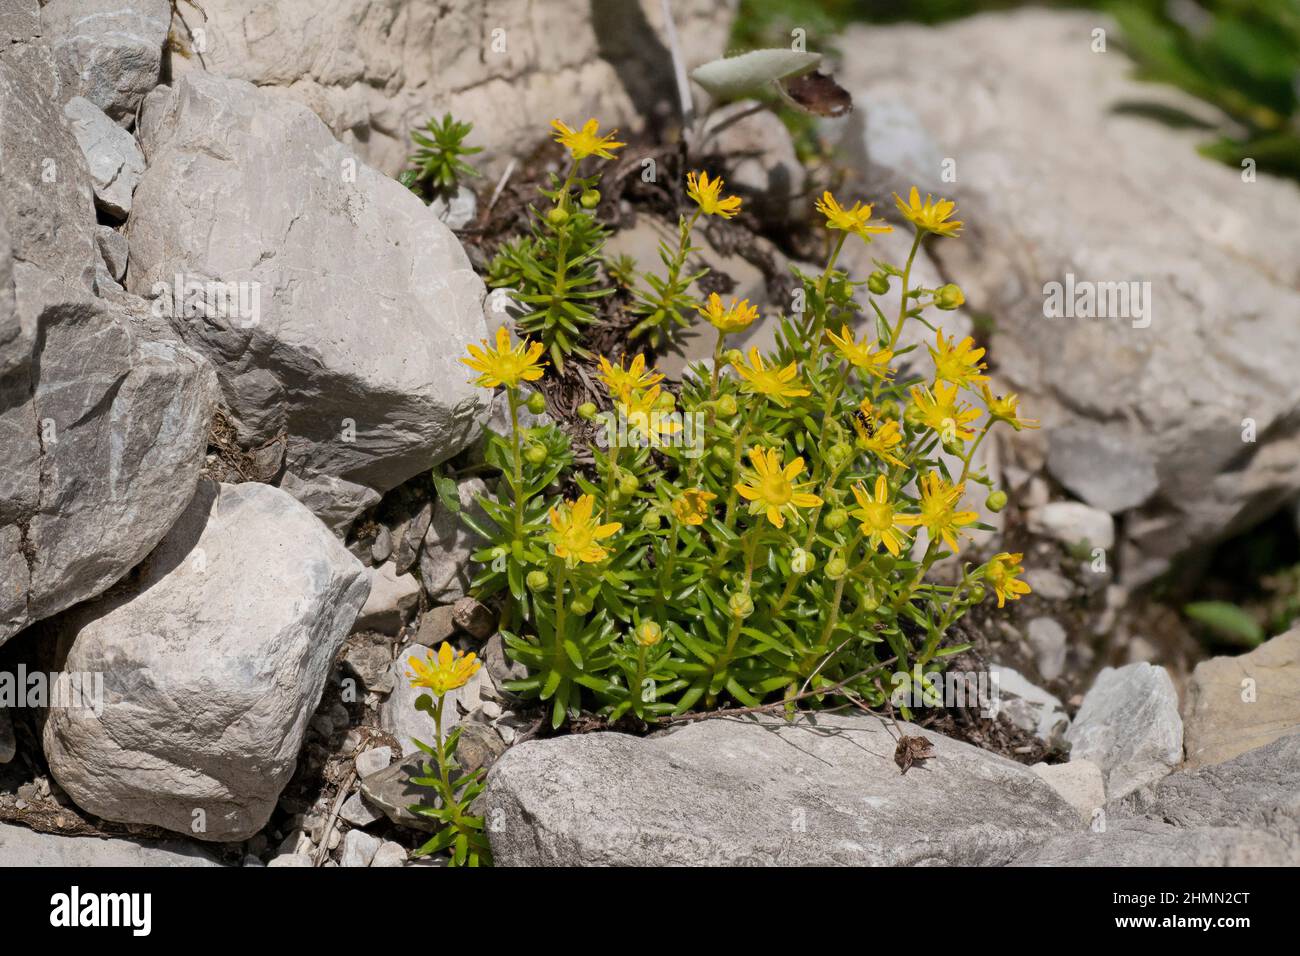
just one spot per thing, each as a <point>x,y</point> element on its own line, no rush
<point>214,657</point>
<point>1235,704</point>
<point>115,160</point>
<point>737,792</point>
<point>1129,725</point>
<point>393,599</point>
<point>20,846</point>
<point>445,569</point>
<point>334,307</point>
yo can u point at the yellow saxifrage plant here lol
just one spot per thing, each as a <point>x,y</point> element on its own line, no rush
<point>769,534</point>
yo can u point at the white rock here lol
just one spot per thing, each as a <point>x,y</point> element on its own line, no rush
<point>1129,726</point>
<point>1080,782</point>
<point>358,812</point>
<point>1102,465</point>
<point>113,250</point>
<point>457,211</point>
<point>20,846</point>
<point>761,159</point>
<point>1049,585</point>
<point>1071,522</point>
<point>354,304</point>
<point>109,51</point>
<point>214,657</point>
<point>1053,175</point>
<point>1048,640</point>
<point>1028,706</point>
<point>389,854</point>
<point>445,569</point>
<point>393,599</point>
<point>359,848</point>
<point>115,160</point>
<point>292,859</point>
<point>373,760</point>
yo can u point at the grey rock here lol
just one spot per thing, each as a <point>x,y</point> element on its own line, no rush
<point>1049,585</point>
<point>1048,193</point>
<point>498,663</point>
<point>1128,725</point>
<point>474,618</point>
<point>109,51</point>
<point>373,760</point>
<point>412,536</point>
<point>736,792</point>
<point>115,160</point>
<point>1073,523</point>
<point>1244,812</point>
<point>1103,466</point>
<point>389,854</point>
<point>381,549</point>
<point>370,660</point>
<point>21,20</point>
<point>378,80</point>
<point>113,250</point>
<point>1048,639</point>
<point>359,848</point>
<point>456,211</point>
<point>335,501</point>
<point>215,655</point>
<point>1028,706</point>
<point>354,305</point>
<point>1080,782</point>
<point>1235,704</point>
<point>292,860</point>
<point>392,792</point>
<point>20,846</point>
<point>393,599</point>
<point>445,558</point>
<point>888,142</point>
<point>358,812</point>
<point>762,165</point>
<point>436,625</point>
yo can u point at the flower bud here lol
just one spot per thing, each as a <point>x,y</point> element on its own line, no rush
<point>878,283</point>
<point>580,604</point>
<point>628,484</point>
<point>838,454</point>
<point>801,562</point>
<point>727,406</point>
<point>535,454</point>
<point>949,297</point>
<point>889,408</point>
<point>648,634</point>
<point>536,403</point>
<point>537,580</point>
<point>837,519</point>
<point>912,414</point>
<point>977,594</point>
<point>558,216</point>
<point>734,357</point>
<point>721,454</point>
<point>836,568</point>
<point>741,604</point>
<point>651,520</point>
<point>590,199</point>
<point>587,411</point>
<point>996,500</point>
<point>667,401</point>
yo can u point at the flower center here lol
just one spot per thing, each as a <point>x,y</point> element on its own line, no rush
<point>776,490</point>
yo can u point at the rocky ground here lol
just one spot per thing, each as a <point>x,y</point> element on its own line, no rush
<point>224,505</point>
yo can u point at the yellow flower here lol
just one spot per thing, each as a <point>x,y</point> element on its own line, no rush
<point>692,507</point>
<point>768,379</point>
<point>708,196</point>
<point>878,517</point>
<point>929,216</point>
<point>938,515</point>
<point>641,411</point>
<point>574,531</point>
<point>771,488</point>
<point>620,381</point>
<point>586,142</point>
<point>856,220</point>
<point>875,434</point>
<point>447,671</point>
<point>941,411</point>
<point>505,365</point>
<point>1006,408</point>
<point>859,354</point>
<point>1001,572</point>
<point>959,364</point>
<point>734,318</point>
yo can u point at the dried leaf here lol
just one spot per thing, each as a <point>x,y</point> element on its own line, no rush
<point>736,76</point>
<point>819,94</point>
<point>911,749</point>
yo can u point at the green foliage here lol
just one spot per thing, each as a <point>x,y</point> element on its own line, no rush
<point>460,832</point>
<point>665,305</point>
<point>555,269</point>
<point>1227,621</point>
<point>439,163</point>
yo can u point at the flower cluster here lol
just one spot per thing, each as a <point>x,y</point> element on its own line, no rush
<point>768,531</point>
